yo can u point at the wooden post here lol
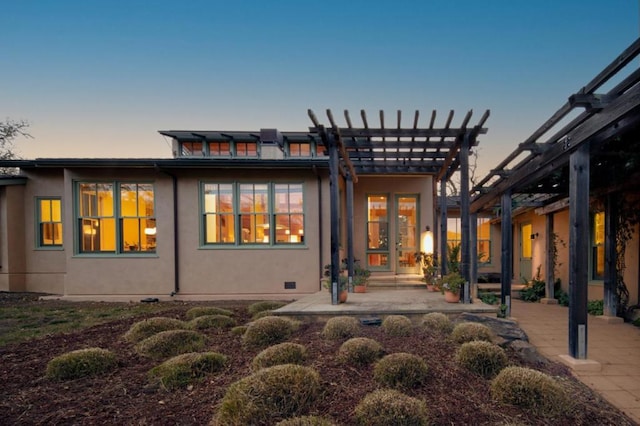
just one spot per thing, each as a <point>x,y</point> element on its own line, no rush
<point>350,255</point>
<point>610,256</point>
<point>578,250</point>
<point>506,258</point>
<point>550,274</point>
<point>473,275</point>
<point>443,227</point>
<point>334,194</point>
<point>465,252</point>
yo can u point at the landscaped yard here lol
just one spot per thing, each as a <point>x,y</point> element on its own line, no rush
<point>125,395</point>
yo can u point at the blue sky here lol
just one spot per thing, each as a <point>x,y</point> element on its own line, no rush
<point>99,78</point>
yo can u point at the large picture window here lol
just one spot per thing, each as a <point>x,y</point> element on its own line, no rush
<point>597,261</point>
<point>260,214</point>
<point>483,234</point>
<point>49,229</point>
<point>116,217</point>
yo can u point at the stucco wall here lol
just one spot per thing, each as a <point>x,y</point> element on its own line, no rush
<point>12,249</point>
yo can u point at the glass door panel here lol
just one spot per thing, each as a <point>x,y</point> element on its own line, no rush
<point>406,234</point>
<point>378,231</point>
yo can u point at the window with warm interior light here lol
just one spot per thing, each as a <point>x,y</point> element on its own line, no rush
<point>483,235</point>
<point>49,230</point>
<point>260,214</point>
<point>597,261</point>
<point>378,231</point>
<point>116,217</point>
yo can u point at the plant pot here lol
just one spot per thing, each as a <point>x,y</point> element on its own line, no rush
<point>451,297</point>
<point>359,288</point>
<point>342,296</point>
<point>431,287</point>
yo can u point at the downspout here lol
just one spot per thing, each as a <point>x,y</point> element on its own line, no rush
<point>320,246</point>
<point>176,252</point>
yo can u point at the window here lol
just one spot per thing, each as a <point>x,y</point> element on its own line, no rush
<point>597,261</point>
<point>483,236</point>
<point>191,149</point>
<point>116,217</point>
<point>49,222</point>
<point>261,214</point>
<point>378,231</point>
<point>219,149</point>
<point>297,149</point>
<point>246,149</point>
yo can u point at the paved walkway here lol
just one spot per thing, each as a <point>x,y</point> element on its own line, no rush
<point>616,347</point>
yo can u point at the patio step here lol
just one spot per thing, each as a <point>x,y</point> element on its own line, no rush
<point>396,281</point>
<point>496,288</point>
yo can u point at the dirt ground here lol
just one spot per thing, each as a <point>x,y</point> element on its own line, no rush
<point>124,396</point>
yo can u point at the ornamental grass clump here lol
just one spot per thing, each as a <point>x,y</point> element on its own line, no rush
<point>206,322</point>
<point>147,328</point>
<point>306,421</point>
<point>171,343</point>
<point>185,369</point>
<point>265,305</point>
<point>483,358</point>
<point>401,371</point>
<point>270,395</point>
<point>397,325</point>
<point>438,322</point>
<point>238,330</point>
<point>342,327</point>
<point>81,363</point>
<point>268,331</point>
<point>282,353</point>
<point>530,389</point>
<point>470,331</point>
<point>200,311</point>
<point>390,407</point>
<point>360,351</point>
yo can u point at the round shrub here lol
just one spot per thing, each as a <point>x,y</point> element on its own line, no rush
<point>81,363</point>
<point>238,330</point>
<point>305,421</point>
<point>401,370</point>
<point>147,328</point>
<point>470,331</point>
<point>438,322</point>
<point>483,358</point>
<point>262,314</point>
<point>265,305</point>
<point>182,370</point>
<point>269,395</point>
<point>342,327</point>
<point>530,389</point>
<point>283,353</point>
<point>360,351</point>
<point>200,311</point>
<point>397,325</point>
<point>268,331</point>
<point>171,343</point>
<point>391,407</point>
<point>212,321</point>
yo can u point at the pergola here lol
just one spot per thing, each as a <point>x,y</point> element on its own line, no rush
<point>396,150</point>
<point>596,153</point>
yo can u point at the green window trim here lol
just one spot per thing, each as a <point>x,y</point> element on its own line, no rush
<point>49,228</point>
<point>115,218</point>
<point>252,214</point>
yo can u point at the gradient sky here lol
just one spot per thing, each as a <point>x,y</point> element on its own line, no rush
<point>99,78</point>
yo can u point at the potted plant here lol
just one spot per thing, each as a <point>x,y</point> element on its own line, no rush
<point>429,265</point>
<point>360,278</point>
<point>451,285</point>
<point>343,280</point>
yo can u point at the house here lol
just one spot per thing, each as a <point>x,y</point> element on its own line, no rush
<point>245,214</point>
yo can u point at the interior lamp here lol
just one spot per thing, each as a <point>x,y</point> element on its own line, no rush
<point>426,241</point>
<point>150,231</point>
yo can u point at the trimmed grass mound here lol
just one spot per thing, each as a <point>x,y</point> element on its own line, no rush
<point>268,331</point>
<point>265,305</point>
<point>360,351</point>
<point>306,421</point>
<point>200,311</point>
<point>397,325</point>
<point>470,331</point>
<point>530,389</point>
<point>185,369</point>
<point>401,371</point>
<point>438,322</point>
<point>238,330</point>
<point>342,327</point>
<point>81,363</point>
<point>483,358</point>
<point>269,395</point>
<point>282,353</point>
<point>390,407</point>
<point>147,328</point>
<point>171,343</point>
<point>206,322</point>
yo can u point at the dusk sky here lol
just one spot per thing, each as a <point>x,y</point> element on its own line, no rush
<point>99,78</point>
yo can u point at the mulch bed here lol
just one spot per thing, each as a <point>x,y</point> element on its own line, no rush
<point>454,395</point>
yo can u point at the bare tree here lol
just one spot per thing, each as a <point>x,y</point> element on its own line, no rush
<point>454,183</point>
<point>10,130</point>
